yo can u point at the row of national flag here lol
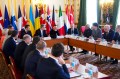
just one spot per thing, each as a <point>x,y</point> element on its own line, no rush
<point>62,25</point>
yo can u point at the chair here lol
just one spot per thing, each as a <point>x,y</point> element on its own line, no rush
<point>4,58</point>
<point>17,71</point>
<point>14,75</point>
<point>29,77</point>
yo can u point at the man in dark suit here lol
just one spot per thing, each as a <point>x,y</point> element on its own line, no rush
<point>116,40</point>
<point>87,33</point>
<point>53,67</point>
<point>72,31</point>
<point>54,32</point>
<point>25,30</point>
<point>33,58</point>
<point>29,48</point>
<point>41,32</point>
<point>19,51</point>
<point>108,34</point>
<point>10,45</point>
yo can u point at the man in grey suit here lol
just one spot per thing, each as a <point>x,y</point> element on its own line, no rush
<point>96,32</point>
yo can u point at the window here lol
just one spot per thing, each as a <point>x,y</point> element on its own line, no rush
<point>91,11</point>
<point>118,16</point>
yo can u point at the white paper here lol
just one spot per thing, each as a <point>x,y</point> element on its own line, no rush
<point>47,38</point>
<point>74,74</point>
<point>60,36</point>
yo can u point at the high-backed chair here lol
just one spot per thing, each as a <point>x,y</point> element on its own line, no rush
<point>29,77</point>
<point>14,75</point>
<point>82,29</point>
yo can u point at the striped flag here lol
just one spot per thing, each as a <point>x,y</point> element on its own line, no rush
<point>67,23</point>
<point>6,18</point>
<point>31,21</point>
<point>19,19</point>
<point>37,19</point>
<point>53,17</point>
<point>61,23</point>
<point>13,19</point>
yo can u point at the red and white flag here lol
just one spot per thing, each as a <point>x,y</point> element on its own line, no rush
<point>24,22</point>
<point>48,22</point>
<point>42,17</point>
<point>71,17</point>
<point>1,23</point>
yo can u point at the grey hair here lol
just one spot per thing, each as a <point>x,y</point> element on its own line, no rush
<point>41,45</point>
<point>26,36</point>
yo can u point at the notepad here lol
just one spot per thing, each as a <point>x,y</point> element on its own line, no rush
<point>74,74</point>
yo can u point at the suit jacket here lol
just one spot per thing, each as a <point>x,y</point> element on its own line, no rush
<point>19,51</point>
<point>38,33</point>
<point>109,36</point>
<point>31,63</point>
<point>97,33</point>
<point>75,31</point>
<point>87,33</point>
<point>28,49</point>
<point>53,34</point>
<point>23,32</point>
<point>9,48</point>
<point>117,37</point>
<point>49,69</point>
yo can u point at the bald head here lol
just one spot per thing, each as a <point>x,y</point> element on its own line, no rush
<point>107,28</point>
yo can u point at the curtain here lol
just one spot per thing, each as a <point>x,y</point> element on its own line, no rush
<point>98,12</point>
<point>115,12</point>
<point>82,14</point>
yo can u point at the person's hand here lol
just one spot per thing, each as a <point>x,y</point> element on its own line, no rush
<point>61,61</point>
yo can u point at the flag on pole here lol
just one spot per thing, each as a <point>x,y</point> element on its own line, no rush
<point>42,17</point>
<point>71,15</point>
<point>13,19</point>
<point>37,19</point>
<point>24,19</point>
<point>48,22</point>
<point>19,19</point>
<point>53,17</point>
<point>61,23</point>
<point>1,23</point>
<point>31,21</point>
<point>67,23</point>
<point>6,18</point>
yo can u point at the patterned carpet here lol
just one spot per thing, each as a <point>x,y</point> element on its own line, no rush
<point>4,70</point>
<point>104,67</point>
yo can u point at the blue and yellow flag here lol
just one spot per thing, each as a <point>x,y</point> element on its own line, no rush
<point>37,19</point>
<point>31,21</point>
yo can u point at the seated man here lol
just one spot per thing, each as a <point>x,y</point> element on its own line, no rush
<point>41,32</point>
<point>87,33</point>
<point>19,51</point>
<point>53,67</point>
<point>96,33</point>
<point>73,31</point>
<point>115,40</point>
<point>26,30</point>
<point>10,45</point>
<point>33,58</point>
<point>54,32</point>
<point>108,33</point>
<point>29,48</point>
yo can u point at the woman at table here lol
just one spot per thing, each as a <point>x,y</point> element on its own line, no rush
<point>54,32</point>
<point>116,40</point>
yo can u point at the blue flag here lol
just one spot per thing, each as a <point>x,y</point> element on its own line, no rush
<point>6,18</point>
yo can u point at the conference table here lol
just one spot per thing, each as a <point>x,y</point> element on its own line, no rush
<point>105,49</point>
<point>110,50</point>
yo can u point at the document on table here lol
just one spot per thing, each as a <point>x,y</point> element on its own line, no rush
<point>74,74</point>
